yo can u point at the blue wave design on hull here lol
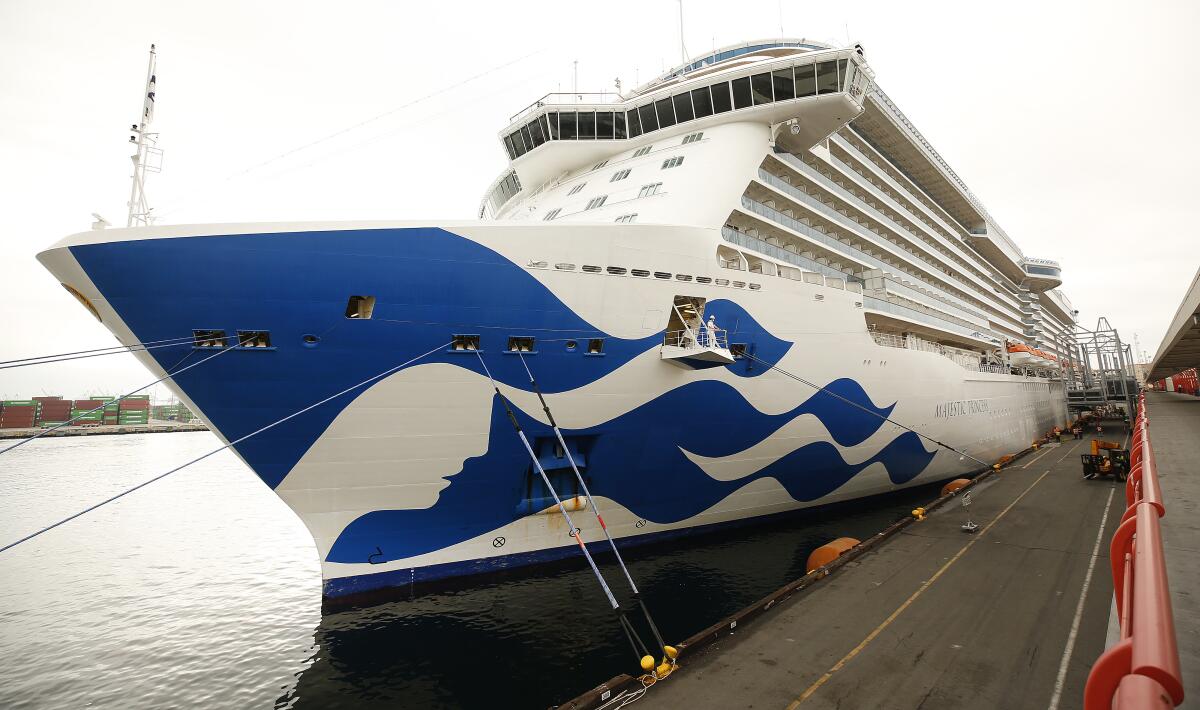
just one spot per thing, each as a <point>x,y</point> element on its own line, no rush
<point>428,284</point>
<point>635,459</point>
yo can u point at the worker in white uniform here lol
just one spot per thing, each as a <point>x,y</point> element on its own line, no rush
<point>712,331</point>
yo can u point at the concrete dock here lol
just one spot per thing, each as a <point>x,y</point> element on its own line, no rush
<point>1012,616</point>
<point>154,427</point>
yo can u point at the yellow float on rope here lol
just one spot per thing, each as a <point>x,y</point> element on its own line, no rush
<point>647,663</point>
<point>919,513</point>
<point>671,651</point>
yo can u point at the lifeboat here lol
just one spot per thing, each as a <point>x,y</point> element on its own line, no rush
<point>1021,354</point>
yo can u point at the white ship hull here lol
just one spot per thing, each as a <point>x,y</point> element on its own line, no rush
<point>418,475</point>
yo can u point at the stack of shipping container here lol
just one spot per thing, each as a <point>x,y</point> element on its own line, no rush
<point>18,413</point>
<point>53,411</point>
<point>87,412</point>
<point>134,409</point>
<point>177,412</point>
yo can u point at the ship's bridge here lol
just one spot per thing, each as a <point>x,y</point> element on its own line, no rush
<point>766,83</point>
<point>1041,274</point>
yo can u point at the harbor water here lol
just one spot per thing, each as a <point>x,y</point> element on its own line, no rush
<point>203,590</point>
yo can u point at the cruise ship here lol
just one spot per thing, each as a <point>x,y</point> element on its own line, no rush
<point>748,287</point>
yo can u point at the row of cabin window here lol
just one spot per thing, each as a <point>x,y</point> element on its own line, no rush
<point>644,273</point>
<point>780,85</point>
<point>646,191</point>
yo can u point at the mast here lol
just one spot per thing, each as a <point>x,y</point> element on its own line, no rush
<point>148,157</point>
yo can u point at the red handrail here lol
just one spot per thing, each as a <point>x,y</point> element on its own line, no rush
<point>1142,669</point>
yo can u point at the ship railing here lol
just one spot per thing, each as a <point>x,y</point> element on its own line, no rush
<point>561,98</point>
<point>1142,668</point>
<point>689,338</point>
<point>965,359</point>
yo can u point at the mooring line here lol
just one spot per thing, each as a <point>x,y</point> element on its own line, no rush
<point>122,398</point>
<point>640,650</point>
<point>130,349</point>
<point>591,501</point>
<point>118,348</point>
<point>239,440</point>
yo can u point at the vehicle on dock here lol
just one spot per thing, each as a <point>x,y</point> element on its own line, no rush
<point>730,284</point>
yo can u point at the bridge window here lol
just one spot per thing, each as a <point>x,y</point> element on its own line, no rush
<point>785,85</point>
<point>666,113</point>
<point>604,124</point>
<point>587,125</point>
<point>635,123</point>
<point>742,98</point>
<point>528,138</point>
<point>760,85</point>
<point>553,119</point>
<point>360,307</point>
<point>567,125</point>
<point>508,145</point>
<point>827,77</point>
<point>702,102</point>
<point>842,73</point>
<point>535,130</point>
<point>806,81</point>
<point>649,119</point>
<point>683,106</point>
<point>518,144</point>
<point>619,124</point>
<point>720,97</point>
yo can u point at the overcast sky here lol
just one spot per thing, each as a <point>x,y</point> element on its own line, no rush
<point>1072,121</point>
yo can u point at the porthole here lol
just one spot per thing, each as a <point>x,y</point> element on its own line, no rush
<point>310,340</point>
<point>571,345</point>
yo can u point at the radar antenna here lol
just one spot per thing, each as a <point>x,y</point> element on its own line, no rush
<point>148,158</point>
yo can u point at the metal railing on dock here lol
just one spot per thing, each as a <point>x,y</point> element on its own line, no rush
<point>1143,666</point>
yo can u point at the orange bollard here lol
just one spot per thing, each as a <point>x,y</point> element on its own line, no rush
<point>829,552</point>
